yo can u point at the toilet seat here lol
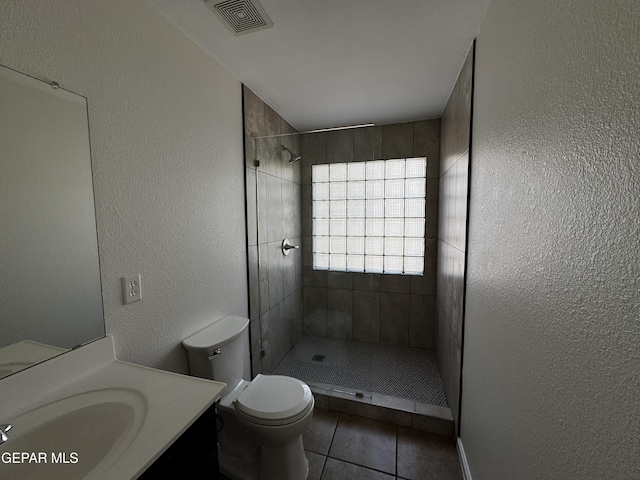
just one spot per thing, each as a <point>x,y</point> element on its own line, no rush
<point>274,400</point>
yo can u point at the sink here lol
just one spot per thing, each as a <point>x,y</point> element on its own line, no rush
<point>78,436</point>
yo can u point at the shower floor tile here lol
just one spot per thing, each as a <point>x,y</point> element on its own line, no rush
<point>403,372</point>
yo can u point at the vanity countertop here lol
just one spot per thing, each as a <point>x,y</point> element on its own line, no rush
<point>168,403</point>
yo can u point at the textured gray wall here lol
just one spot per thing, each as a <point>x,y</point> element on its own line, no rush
<point>166,143</point>
<point>551,369</point>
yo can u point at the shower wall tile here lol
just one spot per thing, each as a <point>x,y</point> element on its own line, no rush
<point>256,347</point>
<point>288,210</point>
<point>254,294</point>
<point>263,277</point>
<point>276,274</point>
<point>273,121</point>
<point>252,212</point>
<point>342,280</point>
<point>433,195</point>
<point>426,143</point>
<point>307,221</point>
<point>265,335</point>
<point>394,318</point>
<point>315,311</point>
<point>422,321</point>
<point>276,318</point>
<point>397,140</point>
<point>339,313</point>
<point>366,316</point>
<point>461,192</point>
<point>363,144</point>
<point>296,200</point>
<point>289,262</point>
<point>263,234</point>
<point>381,321</point>
<point>272,213</point>
<point>314,150</point>
<point>366,281</point>
<point>290,311</point>
<point>273,207</point>
<point>340,146</point>
<point>395,283</point>
<point>453,194</point>
<point>253,123</point>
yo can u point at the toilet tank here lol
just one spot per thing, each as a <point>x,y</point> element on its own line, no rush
<point>221,352</point>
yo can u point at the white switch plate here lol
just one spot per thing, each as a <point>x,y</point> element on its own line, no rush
<point>131,289</point>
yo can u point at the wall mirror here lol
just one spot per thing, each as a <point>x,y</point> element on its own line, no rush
<point>50,293</point>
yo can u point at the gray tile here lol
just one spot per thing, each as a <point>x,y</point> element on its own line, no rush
<point>432,206</point>
<point>317,438</point>
<point>253,122</point>
<point>263,227</point>
<point>271,148</point>
<point>461,189</point>
<point>252,212</point>
<point>314,150</point>
<point>315,310</point>
<point>339,313</point>
<point>340,146</point>
<point>338,470</point>
<point>397,140</point>
<point>366,281</point>
<point>422,321</point>
<point>288,202</point>
<point>289,271</point>
<point>397,371</point>
<point>426,284</point>
<point>307,220</point>
<point>426,142</point>
<point>276,273</point>
<point>424,456</point>
<point>394,318</point>
<point>363,144</point>
<point>272,121</point>
<point>256,347</point>
<point>290,319</point>
<point>366,442</point>
<point>263,277</point>
<point>297,210</point>
<point>265,334</point>
<point>313,278</point>
<point>316,465</point>
<point>366,316</point>
<point>342,280</point>
<point>433,419</point>
<point>273,206</point>
<point>395,283</point>
<point>278,334</point>
<point>254,282</point>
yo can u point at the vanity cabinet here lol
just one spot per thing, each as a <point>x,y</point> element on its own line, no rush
<point>194,455</point>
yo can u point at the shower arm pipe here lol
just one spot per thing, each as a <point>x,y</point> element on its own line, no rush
<point>315,131</point>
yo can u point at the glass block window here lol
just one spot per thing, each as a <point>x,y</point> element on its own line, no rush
<point>370,216</point>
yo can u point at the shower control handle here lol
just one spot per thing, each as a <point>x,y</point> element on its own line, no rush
<point>286,246</point>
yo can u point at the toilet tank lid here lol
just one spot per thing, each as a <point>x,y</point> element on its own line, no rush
<point>216,334</point>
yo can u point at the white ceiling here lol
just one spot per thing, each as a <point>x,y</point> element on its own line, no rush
<point>330,63</point>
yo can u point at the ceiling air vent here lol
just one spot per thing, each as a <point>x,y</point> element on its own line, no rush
<point>240,16</point>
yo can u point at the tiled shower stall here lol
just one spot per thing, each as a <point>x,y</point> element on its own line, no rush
<point>296,310</point>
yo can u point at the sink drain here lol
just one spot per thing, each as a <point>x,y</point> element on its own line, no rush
<point>317,358</point>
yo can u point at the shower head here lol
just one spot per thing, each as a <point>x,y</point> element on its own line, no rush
<point>294,157</point>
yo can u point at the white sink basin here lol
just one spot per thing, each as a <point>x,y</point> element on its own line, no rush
<point>74,436</point>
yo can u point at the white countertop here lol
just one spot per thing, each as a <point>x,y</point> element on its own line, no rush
<point>172,401</point>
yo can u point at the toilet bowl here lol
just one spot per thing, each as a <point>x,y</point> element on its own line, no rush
<point>263,419</point>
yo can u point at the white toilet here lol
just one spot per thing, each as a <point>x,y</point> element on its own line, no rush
<point>263,419</point>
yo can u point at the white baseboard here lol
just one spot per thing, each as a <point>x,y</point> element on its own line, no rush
<point>466,473</point>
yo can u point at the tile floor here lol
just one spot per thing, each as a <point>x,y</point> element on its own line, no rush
<point>404,372</point>
<point>341,446</point>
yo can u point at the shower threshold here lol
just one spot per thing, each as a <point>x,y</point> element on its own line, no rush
<point>400,385</point>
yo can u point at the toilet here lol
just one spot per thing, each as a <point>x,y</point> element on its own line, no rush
<point>263,419</point>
